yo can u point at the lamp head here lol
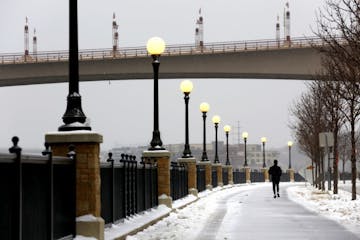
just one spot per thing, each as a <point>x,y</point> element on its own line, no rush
<point>155,46</point>
<point>186,86</point>
<point>204,107</point>
<point>245,135</point>
<point>290,143</point>
<point>227,128</point>
<point>216,119</point>
<point>263,139</point>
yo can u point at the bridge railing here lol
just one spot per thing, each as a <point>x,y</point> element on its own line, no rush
<point>171,50</point>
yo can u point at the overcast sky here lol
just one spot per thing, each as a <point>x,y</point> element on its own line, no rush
<point>123,110</point>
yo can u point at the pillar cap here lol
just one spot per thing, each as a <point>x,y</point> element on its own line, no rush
<point>80,136</point>
<point>187,160</point>
<point>157,153</point>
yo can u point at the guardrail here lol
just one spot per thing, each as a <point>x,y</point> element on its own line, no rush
<point>171,50</point>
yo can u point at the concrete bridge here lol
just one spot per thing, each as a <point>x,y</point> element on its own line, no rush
<point>265,59</point>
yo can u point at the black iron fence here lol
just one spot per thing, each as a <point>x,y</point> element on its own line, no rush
<point>239,177</point>
<point>225,175</point>
<point>38,200</point>
<point>200,178</point>
<point>178,181</point>
<point>257,176</point>
<point>214,180</point>
<point>127,187</point>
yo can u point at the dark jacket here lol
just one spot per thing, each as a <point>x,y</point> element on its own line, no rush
<point>275,172</point>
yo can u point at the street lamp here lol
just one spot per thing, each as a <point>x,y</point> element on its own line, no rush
<point>263,140</point>
<point>186,86</point>
<point>245,136</point>
<point>216,121</point>
<point>155,47</point>
<point>74,117</point>
<point>204,108</point>
<point>290,143</point>
<point>227,129</point>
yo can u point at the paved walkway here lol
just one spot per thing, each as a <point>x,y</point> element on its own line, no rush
<point>255,214</point>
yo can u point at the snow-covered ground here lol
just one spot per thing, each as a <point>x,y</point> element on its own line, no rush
<point>338,207</point>
<point>187,222</point>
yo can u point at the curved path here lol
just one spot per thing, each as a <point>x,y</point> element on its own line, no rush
<point>255,214</point>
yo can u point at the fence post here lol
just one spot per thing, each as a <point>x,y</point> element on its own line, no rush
<point>247,174</point>
<point>162,158</point>
<point>190,164</point>
<point>111,160</point>
<point>47,152</point>
<point>88,192</point>
<point>17,150</point>
<point>291,174</point>
<point>266,174</point>
<point>207,165</point>
<point>218,167</point>
<point>229,169</point>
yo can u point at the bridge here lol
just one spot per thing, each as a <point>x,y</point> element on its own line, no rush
<point>261,59</point>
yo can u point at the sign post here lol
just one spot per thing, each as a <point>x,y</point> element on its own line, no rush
<point>326,139</point>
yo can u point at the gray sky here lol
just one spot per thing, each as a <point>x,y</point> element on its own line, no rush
<point>122,110</point>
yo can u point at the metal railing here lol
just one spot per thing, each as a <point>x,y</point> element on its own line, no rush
<point>214,180</point>
<point>225,176</point>
<point>37,201</point>
<point>171,50</point>
<point>200,178</point>
<point>239,177</point>
<point>127,187</point>
<point>178,181</point>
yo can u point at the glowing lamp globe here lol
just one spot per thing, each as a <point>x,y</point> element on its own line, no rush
<point>155,46</point>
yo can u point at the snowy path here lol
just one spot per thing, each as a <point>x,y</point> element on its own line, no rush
<point>257,215</point>
<point>246,212</point>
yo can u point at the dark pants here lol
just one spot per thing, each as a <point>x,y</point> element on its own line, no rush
<point>275,183</point>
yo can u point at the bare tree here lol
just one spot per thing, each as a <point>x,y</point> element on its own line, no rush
<point>339,29</point>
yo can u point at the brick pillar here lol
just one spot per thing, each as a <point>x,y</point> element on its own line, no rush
<point>219,173</point>
<point>291,174</point>
<point>247,174</point>
<point>190,164</point>
<point>208,181</point>
<point>266,174</point>
<point>88,194</point>
<point>162,158</point>
<point>230,174</point>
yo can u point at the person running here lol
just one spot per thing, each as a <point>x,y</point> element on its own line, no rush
<point>275,172</point>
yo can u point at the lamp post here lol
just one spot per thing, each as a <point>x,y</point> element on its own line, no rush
<point>290,143</point>
<point>186,86</point>
<point>245,136</point>
<point>74,117</point>
<point>227,129</point>
<point>216,121</point>
<point>263,140</point>
<point>204,108</point>
<point>155,47</point>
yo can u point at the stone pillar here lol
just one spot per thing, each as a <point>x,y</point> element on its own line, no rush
<point>88,199</point>
<point>208,181</point>
<point>219,173</point>
<point>266,174</point>
<point>190,164</point>
<point>162,158</point>
<point>247,174</point>
<point>291,174</point>
<point>230,174</point>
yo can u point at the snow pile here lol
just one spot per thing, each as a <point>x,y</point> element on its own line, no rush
<point>338,207</point>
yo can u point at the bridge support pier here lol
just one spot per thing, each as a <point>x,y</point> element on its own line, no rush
<point>162,158</point>
<point>88,201</point>
<point>190,164</point>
